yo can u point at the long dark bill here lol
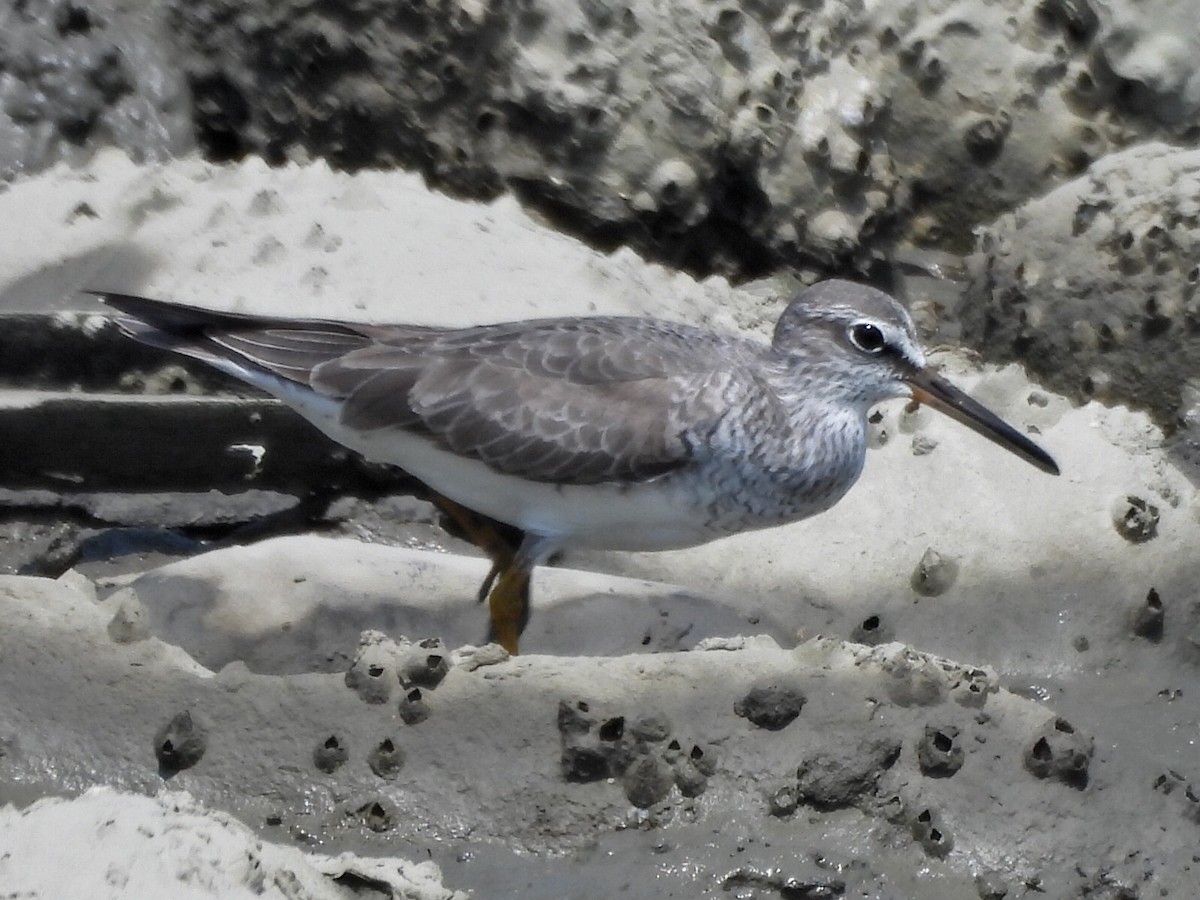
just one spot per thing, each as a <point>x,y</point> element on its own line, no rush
<point>934,391</point>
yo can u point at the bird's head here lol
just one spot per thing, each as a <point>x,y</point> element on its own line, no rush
<point>859,342</point>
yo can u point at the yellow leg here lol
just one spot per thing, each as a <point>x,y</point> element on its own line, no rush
<point>485,533</point>
<point>508,604</point>
<point>506,587</point>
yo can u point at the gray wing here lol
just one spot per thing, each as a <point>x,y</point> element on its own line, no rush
<point>576,401</point>
<point>567,401</point>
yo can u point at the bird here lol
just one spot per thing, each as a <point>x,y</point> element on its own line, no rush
<point>609,432</point>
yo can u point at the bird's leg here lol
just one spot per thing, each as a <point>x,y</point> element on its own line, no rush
<point>508,604</point>
<point>498,540</point>
<point>506,586</point>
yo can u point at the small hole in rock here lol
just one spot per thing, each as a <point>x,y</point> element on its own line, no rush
<point>612,729</point>
<point>729,19</point>
<point>1041,750</point>
<point>1064,726</point>
<point>870,623</point>
<point>375,671</point>
<point>925,816</point>
<point>331,742</point>
<point>942,742</point>
<point>387,746</point>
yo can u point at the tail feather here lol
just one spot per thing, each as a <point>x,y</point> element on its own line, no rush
<point>179,319</point>
<point>243,345</point>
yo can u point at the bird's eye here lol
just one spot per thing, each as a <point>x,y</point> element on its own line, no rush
<point>867,337</point>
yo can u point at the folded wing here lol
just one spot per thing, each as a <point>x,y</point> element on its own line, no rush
<point>567,401</point>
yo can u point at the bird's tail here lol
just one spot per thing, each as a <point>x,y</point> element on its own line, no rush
<point>242,345</point>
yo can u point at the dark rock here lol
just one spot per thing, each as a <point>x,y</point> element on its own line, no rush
<point>840,779</point>
<point>771,706</point>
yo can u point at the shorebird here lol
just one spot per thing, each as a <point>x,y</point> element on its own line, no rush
<point>607,432</point>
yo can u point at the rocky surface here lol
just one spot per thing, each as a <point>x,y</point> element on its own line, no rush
<point>677,728</point>
<point>718,137</point>
<point>723,137</point>
<point>1095,285</point>
<point>74,75</point>
<point>887,775</point>
<point>1043,758</point>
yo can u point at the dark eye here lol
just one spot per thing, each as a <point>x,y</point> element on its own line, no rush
<point>867,337</point>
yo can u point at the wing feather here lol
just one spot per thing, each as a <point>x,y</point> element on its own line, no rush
<point>566,401</point>
<point>569,401</point>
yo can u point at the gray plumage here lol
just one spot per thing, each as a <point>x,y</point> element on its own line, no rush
<point>748,434</point>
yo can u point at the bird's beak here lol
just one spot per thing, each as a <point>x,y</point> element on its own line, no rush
<point>933,390</point>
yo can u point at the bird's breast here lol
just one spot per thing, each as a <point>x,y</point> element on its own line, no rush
<point>759,477</point>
